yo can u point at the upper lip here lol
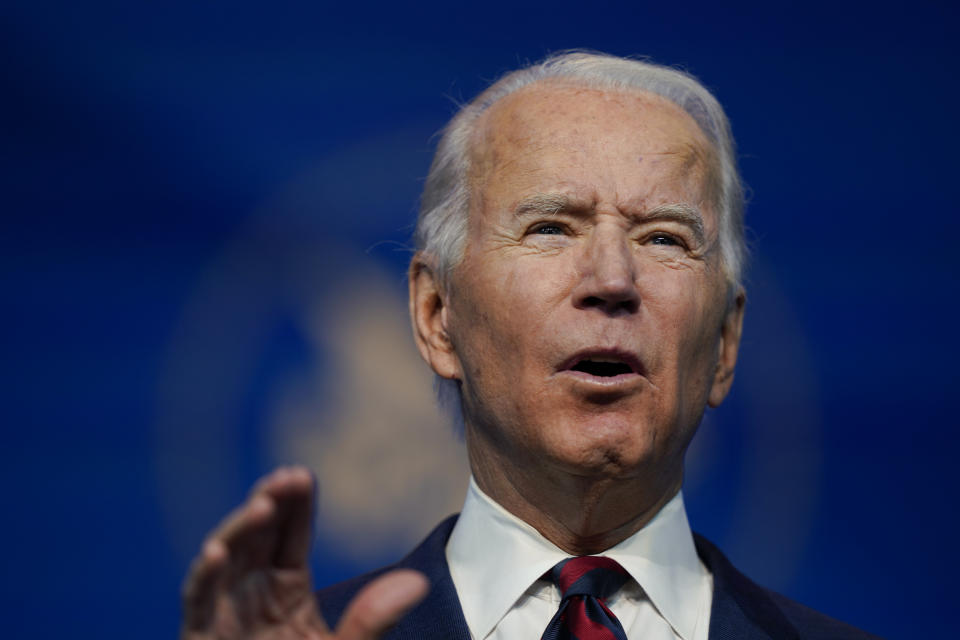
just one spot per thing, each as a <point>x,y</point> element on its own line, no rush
<point>601,354</point>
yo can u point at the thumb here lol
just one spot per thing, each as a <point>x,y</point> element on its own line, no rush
<point>381,604</point>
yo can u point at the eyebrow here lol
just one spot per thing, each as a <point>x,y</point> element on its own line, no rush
<point>556,203</point>
<point>544,204</point>
<point>679,212</point>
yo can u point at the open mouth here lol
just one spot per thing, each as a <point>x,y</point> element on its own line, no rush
<point>602,368</point>
<point>604,363</point>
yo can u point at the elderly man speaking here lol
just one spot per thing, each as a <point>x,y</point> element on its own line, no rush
<point>577,292</point>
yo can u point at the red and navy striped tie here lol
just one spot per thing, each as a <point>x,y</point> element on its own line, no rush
<point>585,583</point>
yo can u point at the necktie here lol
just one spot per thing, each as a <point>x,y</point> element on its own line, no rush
<point>585,583</point>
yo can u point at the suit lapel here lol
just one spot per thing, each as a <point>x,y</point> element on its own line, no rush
<point>439,616</point>
<point>741,610</point>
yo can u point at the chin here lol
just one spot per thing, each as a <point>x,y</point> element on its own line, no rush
<point>613,454</point>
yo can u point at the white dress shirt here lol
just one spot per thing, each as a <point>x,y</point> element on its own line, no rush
<point>497,562</point>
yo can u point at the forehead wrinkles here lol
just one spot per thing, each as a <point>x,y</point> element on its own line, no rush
<point>548,114</point>
<point>696,164</point>
<point>700,161</point>
<point>522,123</point>
<point>503,136</point>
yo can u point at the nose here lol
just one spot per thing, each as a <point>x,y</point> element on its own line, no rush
<point>607,273</point>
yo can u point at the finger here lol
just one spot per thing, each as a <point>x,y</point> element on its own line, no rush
<point>256,510</point>
<point>273,528</point>
<point>253,528</point>
<point>200,589</point>
<point>295,505</point>
<point>283,539</point>
<point>248,533</point>
<point>381,604</point>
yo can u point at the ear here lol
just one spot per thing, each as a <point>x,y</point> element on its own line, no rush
<point>428,315</point>
<point>727,349</point>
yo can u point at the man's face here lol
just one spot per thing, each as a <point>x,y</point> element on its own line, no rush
<point>588,321</point>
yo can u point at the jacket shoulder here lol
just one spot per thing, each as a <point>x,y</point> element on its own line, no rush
<point>438,616</point>
<point>740,604</point>
<point>814,624</point>
<point>333,599</point>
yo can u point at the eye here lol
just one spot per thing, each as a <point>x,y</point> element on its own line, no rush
<point>665,240</point>
<point>548,230</point>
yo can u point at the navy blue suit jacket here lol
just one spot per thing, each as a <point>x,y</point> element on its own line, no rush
<point>741,610</point>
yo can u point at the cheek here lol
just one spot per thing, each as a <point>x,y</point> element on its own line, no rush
<point>689,324</point>
<point>489,322</point>
<point>520,297</point>
<point>699,358</point>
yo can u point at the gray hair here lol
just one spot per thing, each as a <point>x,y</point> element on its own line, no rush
<point>442,224</point>
<point>441,229</point>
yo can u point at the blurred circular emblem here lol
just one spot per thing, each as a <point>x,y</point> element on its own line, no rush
<point>294,346</point>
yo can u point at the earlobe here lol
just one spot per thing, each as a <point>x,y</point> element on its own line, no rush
<point>429,315</point>
<point>728,349</point>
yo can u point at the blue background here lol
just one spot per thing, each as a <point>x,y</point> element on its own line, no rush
<point>141,140</point>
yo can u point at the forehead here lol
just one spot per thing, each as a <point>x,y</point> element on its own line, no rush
<point>558,126</point>
<point>561,104</point>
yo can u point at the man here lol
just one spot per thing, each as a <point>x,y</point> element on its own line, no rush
<point>577,292</point>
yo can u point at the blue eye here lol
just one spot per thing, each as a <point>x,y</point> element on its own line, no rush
<point>664,240</point>
<point>549,230</point>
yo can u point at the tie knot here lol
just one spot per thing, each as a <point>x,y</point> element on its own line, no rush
<point>595,576</point>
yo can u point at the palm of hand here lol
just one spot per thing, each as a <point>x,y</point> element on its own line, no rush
<point>251,581</point>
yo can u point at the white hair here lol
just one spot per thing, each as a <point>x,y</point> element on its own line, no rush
<point>441,231</point>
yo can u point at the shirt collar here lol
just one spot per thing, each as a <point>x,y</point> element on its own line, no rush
<point>662,558</point>
<point>494,557</point>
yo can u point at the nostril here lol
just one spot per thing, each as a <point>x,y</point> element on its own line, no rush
<point>611,304</point>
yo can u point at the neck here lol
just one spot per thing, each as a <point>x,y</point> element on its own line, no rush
<point>581,514</point>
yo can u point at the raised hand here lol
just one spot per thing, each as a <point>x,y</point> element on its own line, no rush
<point>251,580</point>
